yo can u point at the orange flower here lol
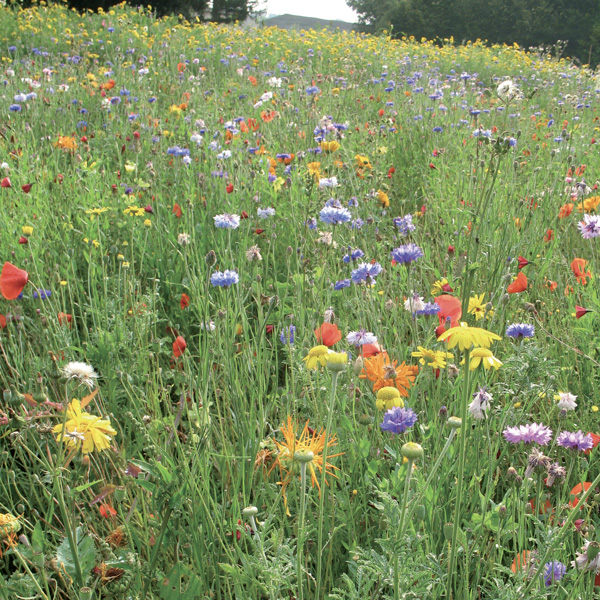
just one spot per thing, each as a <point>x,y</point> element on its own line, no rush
<point>184,302</point>
<point>66,142</point>
<point>328,334</point>
<point>577,266</point>
<point>521,561</point>
<point>177,210</point>
<point>180,67</point>
<point>106,510</point>
<point>549,236</point>
<point>578,491</point>
<point>518,285</point>
<point>12,281</point>
<point>588,204</point>
<point>252,80</point>
<point>268,116</point>
<point>179,346</point>
<point>566,210</point>
<point>109,85</point>
<point>65,319</point>
<point>384,373</point>
<point>450,307</point>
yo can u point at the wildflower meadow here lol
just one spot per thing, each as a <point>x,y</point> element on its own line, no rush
<point>294,315</point>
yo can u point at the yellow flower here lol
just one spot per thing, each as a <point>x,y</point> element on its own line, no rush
<point>330,146</point>
<point>134,211</point>
<point>130,167</point>
<point>485,357</point>
<point>362,162</point>
<point>317,355</point>
<point>477,307</point>
<point>388,397</point>
<point>434,358</point>
<point>589,204</point>
<point>337,361</point>
<point>27,230</point>
<point>95,212</point>
<point>83,430</point>
<point>383,198</point>
<point>438,287</point>
<point>148,223</point>
<point>464,337</point>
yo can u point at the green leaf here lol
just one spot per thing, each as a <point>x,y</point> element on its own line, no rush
<point>85,486</point>
<point>180,584</point>
<point>86,553</point>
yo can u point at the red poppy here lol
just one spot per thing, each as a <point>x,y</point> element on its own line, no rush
<point>64,318</point>
<point>369,350</point>
<point>595,438</point>
<point>518,285</point>
<point>432,166</point>
<point>27,187</point>
<point>177,210</point>
<point>390,172</point>
<point>243,215</point>
<point>106,510</point>
<point>549,236</point>
<point>23,240</point>
<point>580,311</point>
<point>258,231</point>
<point>545,508</point>
<point>184,302</point>
<point>328,334</point>
<point>12,281</point>
<point>578,491</point>
<point>523,262</point>
<point>269,329</point>
<point>229,188</point>
<point>450,308</point>
<point>577,266</point>
<point>2,321</point>
<point>5,183</point>
<point>179,346</point>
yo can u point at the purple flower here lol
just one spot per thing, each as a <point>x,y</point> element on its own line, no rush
<point>398,420</point>
<point>404,224</point>
<point>366,272</point>
<point>265,213</point>
<point>553,571</point>
<point>340,285</point>
<point>227,221</point>
<point>429,309</point>
<point>287,335</point>
<point>42,294</point>
<point>532,432</point>
<point>353,255</point>
<point>590,226</point>
<point>520,330</point>
<point>334,216</point>
<point>224,278</point>
<point>407,254</point>
<point>358,338</point>
<point>575,440</point>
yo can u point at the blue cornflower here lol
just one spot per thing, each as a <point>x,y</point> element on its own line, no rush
<point>366,272</point>
<point>356,223</point>
<point>520,330</point>
<point>361,337</point>
<point>340,285</point>
<point>398,420</point>
<point>15,108</point>
<point>333,216</point>
<point>265,213</point>
<point>287,335</point>
<point>311,223</point>
<point>407,253</point>
<point>312,90</point>
<point>352,256</point>
<point>438,129</point>
<point>553,571</point>
<point>42,294</point>
<point>405,224</point>
<point>224,278</point>
<point>227,221</point>
<point>429,309</point>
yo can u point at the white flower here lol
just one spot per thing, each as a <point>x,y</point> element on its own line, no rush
<point>81,372</point>
<point>275,82</point>
<point>328,182</point>
<point>414,303</point>
<point>183,239</point>
<point>266,96</point>
<point>507,90</point>
<point>566,400</point>
<point>480,404</point>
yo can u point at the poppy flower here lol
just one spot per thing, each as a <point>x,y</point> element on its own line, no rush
<point>521,561</point>
<point>565,210</point>
<point>577,491</point>
<point>229,188</point>
<point>2,322</point>
<point>450,308</point>
<point>106,510</point>
<point>370,350</point>
<point>580,311</point>
<point>12,281</point>
<point>177,211</point>
<point>64,318</point>
<point>184,302</point>
<point>545,507</point>
<point>179,346</point>
<point>518,285</point>
<point>549,236</point>
<point>27,187</point>
<point>5,183</point>
<point>595,437</point>
<point>328,334</point>
<point>577,266</point>
<point>523,262</point>
<point>23,240</point>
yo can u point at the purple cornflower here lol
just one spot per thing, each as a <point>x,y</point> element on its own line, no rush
<point>265,213</point>
<point>429,309</point>
<point>553,571</point>
<point>358,338</point>
<point>334,216</point>
<point>398,420</point>
<point>590,226</point>
<point>340,285</point>
<point>224,278</point>
<point>353,255</point>
<point>480,404</point>
<point>407,254</point>
<point>532,432</point>
<point>287,335</point>
<point>576,440</point>
<point>366,272</point>
<point>227,221</point>
<point>404,224</point>
<point>520,330</point>
<point>42,294</point>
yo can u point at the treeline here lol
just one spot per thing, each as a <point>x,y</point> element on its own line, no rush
<point>219,11</point>
<point>529,23</point>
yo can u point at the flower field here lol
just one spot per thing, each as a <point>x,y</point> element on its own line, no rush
<point>294,315</point>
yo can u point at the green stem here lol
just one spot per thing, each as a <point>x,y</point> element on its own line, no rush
<point>334,376</point>
<point>300,543</point>
<point>409,466</point>
<point>26,567</point>
<point>157,549</point>
<point>461,469</point>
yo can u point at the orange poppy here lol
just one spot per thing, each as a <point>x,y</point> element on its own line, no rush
<point>596,439</point>
<point>369,350</point>
<point>549,236</point>
<point>328,334</point>
<point>64,319</point>
<point>184,302</point>
<point>109,85</point>
<point>12,281</point>
<point>521,561</point>
<point>268,116</point>
<point>253,80</point>
<point>545,507</point>
<point>179,346</point>
<point>577,491</point>
<point>180,67</point>
<point>106,510</point>
<point>577,266</point>
<point>2,321</point>
<point>518,285</point>
<point>451,308</point>
<point>177,211</point>
<point>565,210</point>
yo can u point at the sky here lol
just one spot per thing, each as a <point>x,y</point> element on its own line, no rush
<point>321,9</point>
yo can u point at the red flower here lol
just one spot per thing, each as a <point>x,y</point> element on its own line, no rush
<point>12,281</point>
<point>106,510</point>
<point>23,240</point>
<point>64,318</point>
<point>5,183</point>
<point>390,172</point>
<point>27,187</point>
<point>549,236</point>
<point>369,350</point>
<point>229,188</point>
<point>184,302</point>
<point>244,214</point>
<point>269,329</point>
<point>518,285</point>
<point>580,311</point>
<point>451,249</point>
<point>381,112</point>
<point>446,287</point>
<point>523,262</point>
<point>258,231</point>
<point>577,266</point>
<point>177,210</point>
<point>450,308</point>
<point>328,334</point>
<point>179,346</point>
<point>2,322</point>
<point>577,491</point>
<point>432,166</point>
<point>595,438</point>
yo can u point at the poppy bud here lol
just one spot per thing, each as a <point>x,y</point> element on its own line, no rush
<point>5,183</point>
<point>27,187</point>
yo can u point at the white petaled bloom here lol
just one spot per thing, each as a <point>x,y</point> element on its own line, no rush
<point>358,338</point>
<point>183,239</point>
<point>583,562</point>
<point>480,404</point>
<point>253,253</point>
<point>81,372</point>
<point>75,435</point>
<point>566,401</point>
<point>208,326</point>
<point>329,315</point>
<point>507,90</point>
<point>275,82</point>
<point>414,303</point>
<point>328,182</point>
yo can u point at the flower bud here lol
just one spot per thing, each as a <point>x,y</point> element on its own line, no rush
<point>249,511</point>
<point>455,422</point>
<point>337,361</point>
<point>303,456</point>
<point>411,451</point>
